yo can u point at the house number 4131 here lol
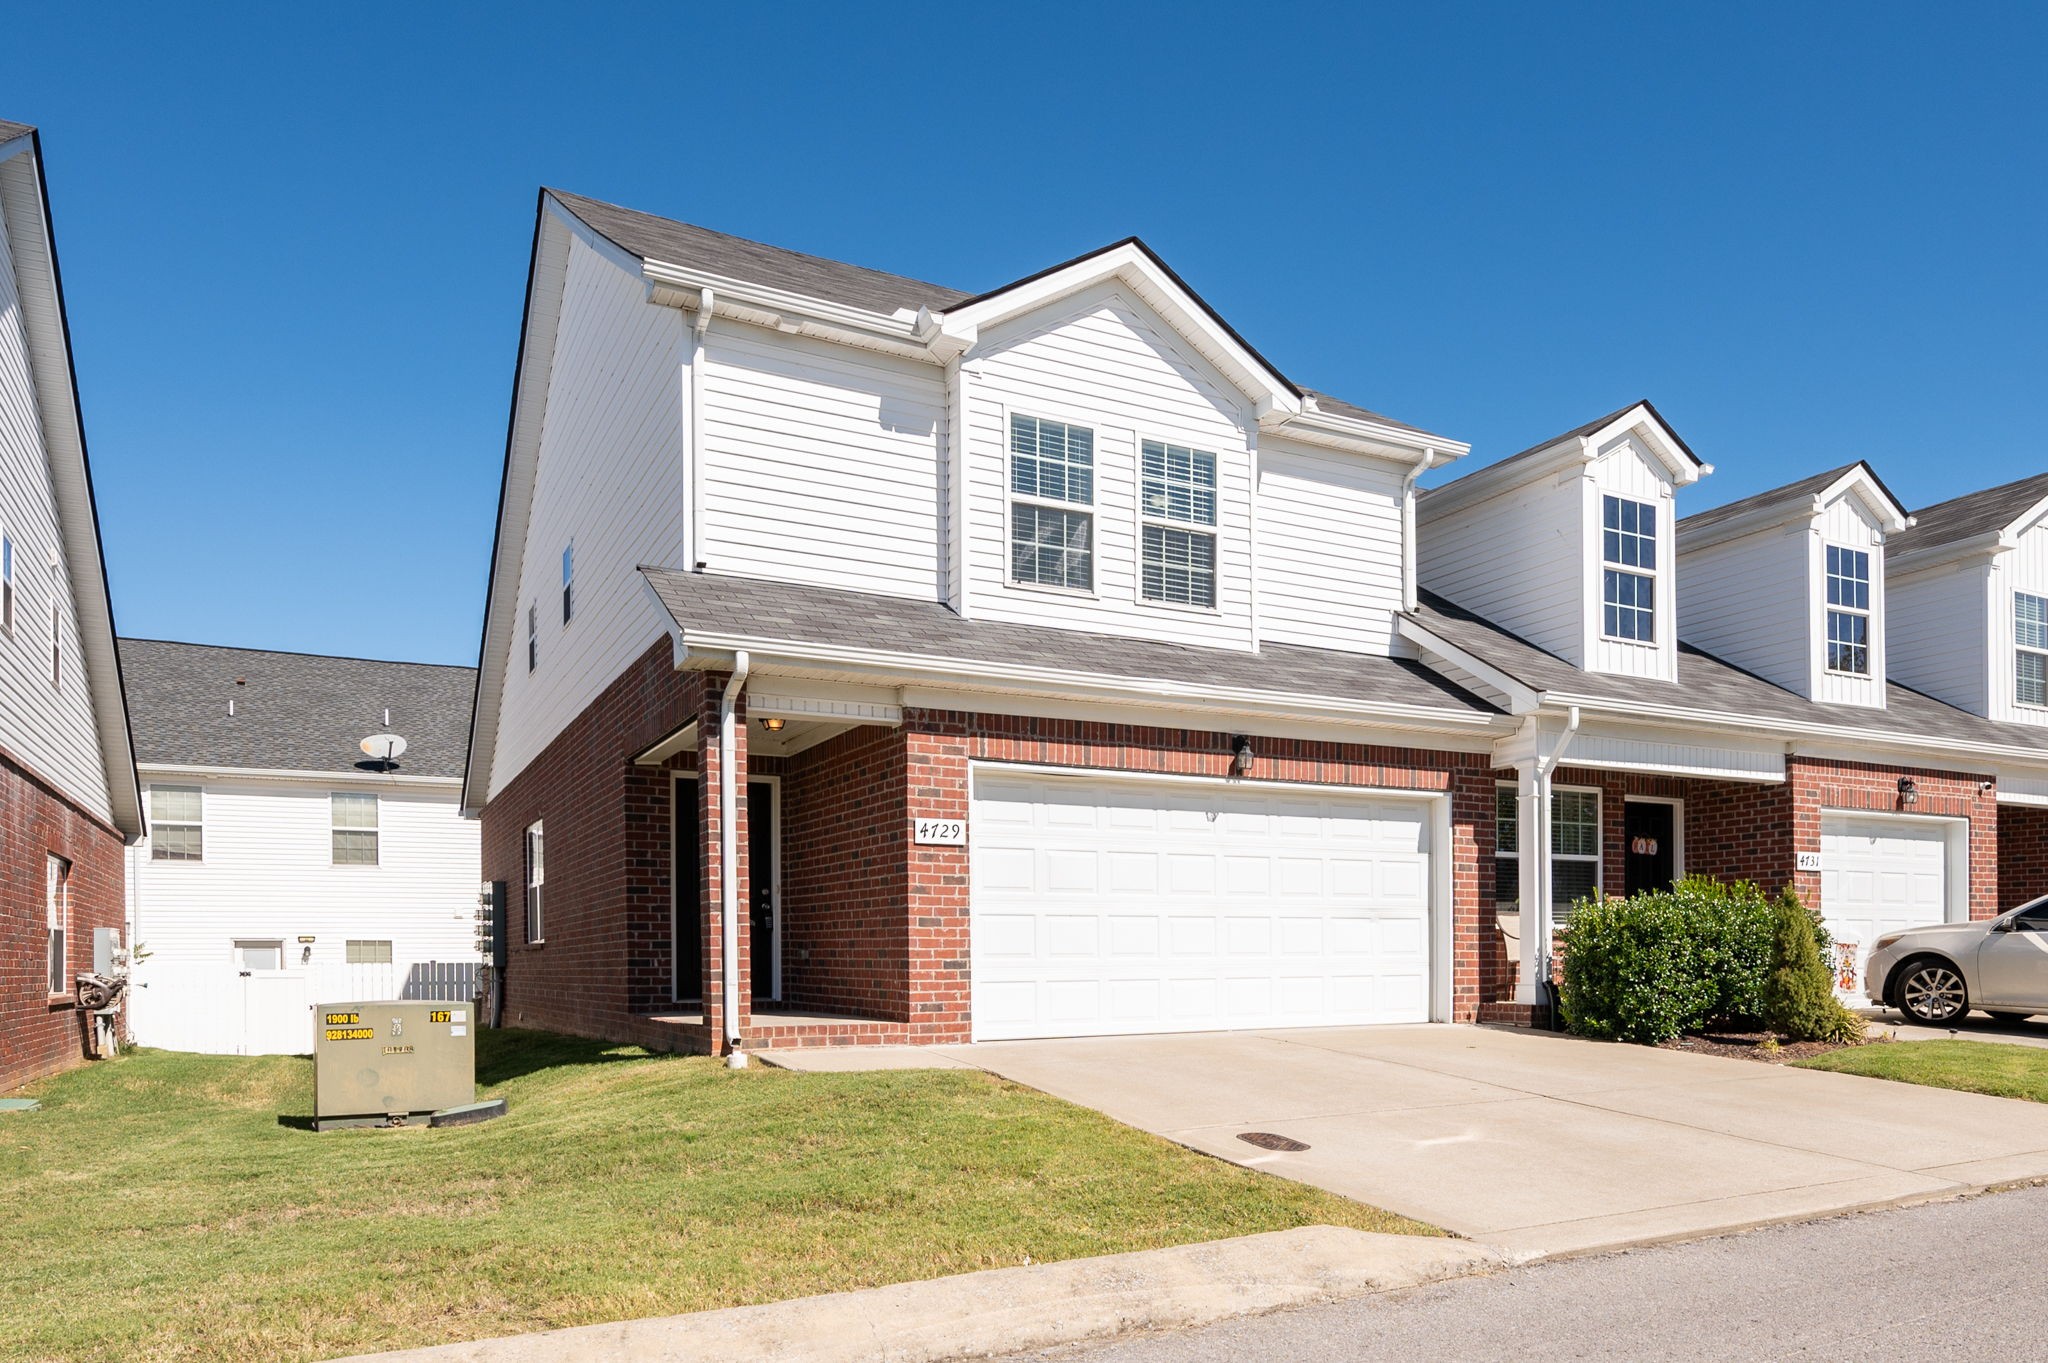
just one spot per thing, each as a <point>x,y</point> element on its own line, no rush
<point>939,832</point>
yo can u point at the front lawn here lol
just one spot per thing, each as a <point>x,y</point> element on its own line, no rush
<point>157,1207</point>
<point>1973,1066</point>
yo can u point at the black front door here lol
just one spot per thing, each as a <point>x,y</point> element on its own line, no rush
<point>761,886</point>
<point>1652,835</point>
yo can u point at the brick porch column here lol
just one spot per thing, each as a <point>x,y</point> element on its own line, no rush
<point>711,882</point>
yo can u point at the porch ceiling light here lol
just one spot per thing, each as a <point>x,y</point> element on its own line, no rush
<point>773,724</point>
<point>1909,792</point>
<point>1243,757</point>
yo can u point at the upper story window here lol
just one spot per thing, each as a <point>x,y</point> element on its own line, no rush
<point>1178,489</point>
<point>2030,659</point>
<point>568,581</point>
<point>6,585</point>
<point>1628,553</point>
<point>1052,471</point>
<point>532,637</point>
<point>355,829</point>
<point>1848,610</point>
<point>177,829</point>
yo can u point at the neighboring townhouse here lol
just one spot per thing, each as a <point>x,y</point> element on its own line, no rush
<point>865,660</point>
<point>68,796</point>
<point>286,866</point>
<point>1969,624</point>
<point>1711,701</point>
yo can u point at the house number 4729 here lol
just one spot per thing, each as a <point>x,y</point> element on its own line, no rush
<point>939,832</point>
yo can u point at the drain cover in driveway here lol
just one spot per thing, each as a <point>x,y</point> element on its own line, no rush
<point>1266,1140</point>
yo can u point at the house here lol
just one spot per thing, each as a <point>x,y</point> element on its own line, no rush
<point>868,660</point>
<point>68,794</point>
<point>284,867</point>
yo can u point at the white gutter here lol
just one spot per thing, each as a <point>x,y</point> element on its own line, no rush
<point>728,883</point>
<point>1409,600</point>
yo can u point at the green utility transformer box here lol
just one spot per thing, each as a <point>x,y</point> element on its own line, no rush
<point>384,1064</point>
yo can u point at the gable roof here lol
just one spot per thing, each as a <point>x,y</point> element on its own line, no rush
<point>1712,688</point>
<point>1502,474</point>
<point>1974,515</point>
<point>1788,496</point>
<point>292,711</point>
<point>32,241</point>
<point>715,612</point>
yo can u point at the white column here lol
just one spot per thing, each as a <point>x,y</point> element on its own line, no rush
<point>1532,805</point>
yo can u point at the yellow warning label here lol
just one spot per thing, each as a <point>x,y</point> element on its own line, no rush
<point>438,1015</point>
<point>343,1019</point>
<point>351,1033</point>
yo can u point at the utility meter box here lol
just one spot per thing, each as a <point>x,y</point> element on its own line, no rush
<point>383,1064</point>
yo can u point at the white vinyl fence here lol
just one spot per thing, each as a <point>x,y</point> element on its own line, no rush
<point>217,1009</point>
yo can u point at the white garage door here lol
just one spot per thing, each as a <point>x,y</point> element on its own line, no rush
<point>1104,905</point>
<point>1878,875</point>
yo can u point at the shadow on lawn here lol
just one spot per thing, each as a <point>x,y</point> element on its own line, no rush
<point>504,1053</point>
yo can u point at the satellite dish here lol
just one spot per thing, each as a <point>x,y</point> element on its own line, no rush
<point>383,747</point>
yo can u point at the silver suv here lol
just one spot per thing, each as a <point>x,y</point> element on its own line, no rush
<point>1937,974</point>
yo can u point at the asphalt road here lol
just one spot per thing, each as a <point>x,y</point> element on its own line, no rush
<point>1954,1281</point>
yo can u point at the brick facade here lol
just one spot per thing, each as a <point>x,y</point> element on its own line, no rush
<point>2022,854</point>
<point>39,1034</point>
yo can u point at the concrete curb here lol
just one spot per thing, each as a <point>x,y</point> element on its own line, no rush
<point>1009,1310</point>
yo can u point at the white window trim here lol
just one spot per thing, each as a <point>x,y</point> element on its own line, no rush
<point>1655,576</point>
<point>376,830</point>
<point>1598,859</point>
<point>2019,648</point>
<point>199,824</point>
<point>1869,613</point>
<point>532,635</point>
<point>534,876</point>
<point>1092,509</point>
<point>1139,520</point>
<point>6,585</point>
<point>57,923</point>
<point>568,583</point>
<point>1677,828</point>
<point>56,645</point>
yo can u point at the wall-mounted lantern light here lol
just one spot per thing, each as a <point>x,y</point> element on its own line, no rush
<point>1909,792</point>
<point>1241,760</point>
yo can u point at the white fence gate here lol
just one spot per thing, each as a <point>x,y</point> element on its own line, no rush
<point>214,1008</point>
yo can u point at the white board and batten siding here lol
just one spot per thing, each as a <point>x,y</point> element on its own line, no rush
<point>1329,547</point>
<point>610,477</point>
<point>1625,469</point>
<point>1940,630</point>
<point>1105,361</point>
<point>1844,522</point>
<point>49,728</point>
<point>1106,905</point>
<point>1746,600</point>
<point>1517,558</point>
<point>267,874</point>
<point>2022,569</point>
<point>821,463</point>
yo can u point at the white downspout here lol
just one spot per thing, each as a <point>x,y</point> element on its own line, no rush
<point>728,882</point>
<point>1410,597</point>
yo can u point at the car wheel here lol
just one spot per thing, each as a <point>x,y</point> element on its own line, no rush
<point>2010,1017</point>
<point>1931,991</point>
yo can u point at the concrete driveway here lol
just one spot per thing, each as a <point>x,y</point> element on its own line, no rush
<point>1541,1144</point>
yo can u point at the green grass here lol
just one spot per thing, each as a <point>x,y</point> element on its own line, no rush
<point>166,1206</point>
<point>1973,1066</point>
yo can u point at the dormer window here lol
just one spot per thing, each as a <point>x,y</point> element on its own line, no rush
<point>1178,490</point>
<point>1628,553</point>
<point>1848,610</point>
<point>1052,470</point>
<point>2030,655</point>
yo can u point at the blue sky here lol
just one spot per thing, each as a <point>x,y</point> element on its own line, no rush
<point>295,239</point>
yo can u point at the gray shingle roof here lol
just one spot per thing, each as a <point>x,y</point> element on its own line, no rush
<point>1787,494</point>
<point>1523,456</point>
<point>680,243</point>
<point>1708,685</point>
<point>10,130</point>
<point>752,608</point>
<point>1969,516</point>
<point>293,711</point>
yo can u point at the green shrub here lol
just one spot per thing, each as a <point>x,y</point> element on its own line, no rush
<point>1799,1000</point>
<point>1655,965</point>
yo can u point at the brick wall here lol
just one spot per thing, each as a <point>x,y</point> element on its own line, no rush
<point>39,1036</point>
<point>2022,855</point>
<point>1820,785</point>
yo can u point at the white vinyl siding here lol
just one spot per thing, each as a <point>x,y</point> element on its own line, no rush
<point>1329,548</point>
<point>355,829</point>
<point>1518,558</point>
<point>268,877</point>
<point>1748,601</point>
<point>610,477</point>
<point>53,735</point>
<point>1848,529</point>
<point>1103,361</point>
<point>2020,572</point>
<point>177,823</point>
<point>1940,631</point>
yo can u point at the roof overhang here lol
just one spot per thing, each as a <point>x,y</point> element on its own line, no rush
<point>1641,422</point>
<point>1859,481</point>
<point>1987,545</point>
<point>24,201</point>
<point>297,776</point>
